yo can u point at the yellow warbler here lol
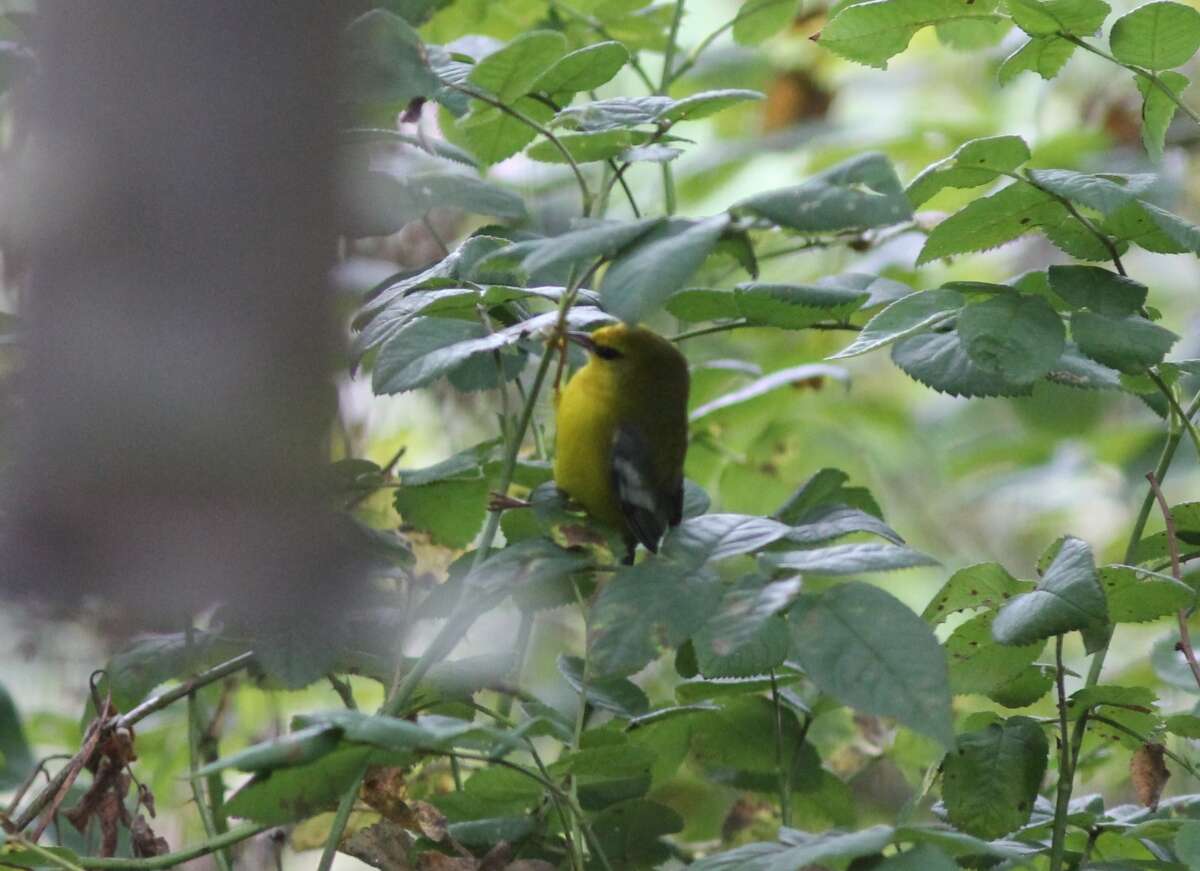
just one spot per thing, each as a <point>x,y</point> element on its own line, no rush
<point>622,433</point>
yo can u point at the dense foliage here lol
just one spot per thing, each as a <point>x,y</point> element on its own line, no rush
<point>742,699</point>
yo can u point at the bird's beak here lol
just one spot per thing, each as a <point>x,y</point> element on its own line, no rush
<point>583,340</point>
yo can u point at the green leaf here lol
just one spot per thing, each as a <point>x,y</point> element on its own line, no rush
<point>693,691</point>
<point>511,72</point>
<point>924,857</point>
<point>758,20</point>
<point>493,135</point>
<point>616,694</point>
<point>600,239</point>
<point>705,103</point>
<point>731,736</point>
<point>940,361</point>
<point>991,780</point>
<point>898,673</point>
<point>1158,108</point>
<point>1183,725</point>
<point>294,748</point>
<point>872,33</point>
<point>1104,194</point>
<point>618,112</point>
<point>378,203</point>
<point>1016,336</point>
<point>974,163</point>
<point>1048,17</point>
<point>1025,689</point>
<point>659,263</point>
<point>978,664</point>
<point>826,488</point>
<point>1187,845</point>
<point>148,661</point>
<point>450,511</point>
<point>1129,344</point>
<point>826,522</point>
<point>906,316</point>
<point>284,795</point>
<point>862,192</point>
<point>765,649</point>
<point>583,69</point>
<point>1044,55</point>
<point>800,850</point>
<point>16,759</point>
<point>630,833</point>
<point>1133,599</point>
<point>991,221</point>
<point>645,603</point>
<point>1158,36</point>
<point>985,585</point>
<point>713,537</point>
<point>702,304</point>
<point>848,559</point>
<point>586,147</point>
<point>385,61</point>
<point>766,384</point>
<point>1067,597</point>
<point>1100,290</point>
<point>296,650</point>
<point>1075,370</point>
<point>795,306</point>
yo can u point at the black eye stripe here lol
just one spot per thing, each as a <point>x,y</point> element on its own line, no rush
<point>606,353</point>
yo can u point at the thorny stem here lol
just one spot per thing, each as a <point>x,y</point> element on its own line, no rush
<point>1065,772</point>
<point>1185,639</point>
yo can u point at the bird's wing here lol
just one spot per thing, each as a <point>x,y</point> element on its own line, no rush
<point>648,507</point>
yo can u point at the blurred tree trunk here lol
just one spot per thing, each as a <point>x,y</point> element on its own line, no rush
<point>176,389</point>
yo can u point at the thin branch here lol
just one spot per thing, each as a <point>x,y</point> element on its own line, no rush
<point>157,703</point>
<point>1145,739</point>
<point>701,47</point>
<point>584,190</point>
<point>1138,71</point>
<point>1173,402</point>
<point>743,322</point>
<point>1185,641</point>
<point>784,766</point>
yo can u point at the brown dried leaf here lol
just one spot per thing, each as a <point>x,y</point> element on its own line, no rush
<point>384,845</point>
<point>430,821</point>
<point>442,862</point>
<point>109,814</point>
<point>385,790</point>
<point>496,858</point>
<point>1149,774</point>
<point>145,842</point>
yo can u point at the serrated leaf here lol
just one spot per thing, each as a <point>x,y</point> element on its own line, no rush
<point>899,674</point>
<point>1129,344</point>
<point>511,72</point>
<point>744,609</point>
<point>758,20</point>
<point>616,694</point>
<point>766,384</point>
<point>795,306</point>
<point>766,648</point>
<point>906,316</point>
<point>1102,194</point>
<point>862,192</point>
<point>938,360</point>
<point>978,663</point>
<point>602,239</point>
<point>641,605</point>
<point>831,846</point>
<point>848,559</point>
<point>1044,55</point>
<point>493,135</point>
<point>991,780</point>
<point>630,833</point>
<point>826,522</point>
<point>713,537</point>
<point>991,221</point>
<point>284,795</point>
<point>1158,36</point>
<point>1025,689</point>
<point>1067,597</point>
<point>974,163</point>
<point>586,147</point>
<point>702,304</point>
<point>1158,108</point>
<point>659,263</point>
<point>1100,290</point>
<point>873,32</point>
<point>583,69</point>
<point>1075,370</point>
<point>1048,17</point>
<point>1016,336</point>
<point>1184,725</point>
<point>985,585</point>
<point>705,103</point>
<point>1133,599</point>
<point>614,113</point>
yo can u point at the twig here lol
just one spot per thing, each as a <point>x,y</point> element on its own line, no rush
<point>1065,773</point>
<point>203,806</point>
<point>1185,641</point>
<point>157,703</point>
<point>384,472</point>
<point>784,766</point>
<point>342,688</point>
<point>1138,71</point>
<point>1145,739</point>
<point>169,860</point>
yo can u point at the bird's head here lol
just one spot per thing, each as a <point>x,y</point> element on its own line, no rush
<point>622,346</point>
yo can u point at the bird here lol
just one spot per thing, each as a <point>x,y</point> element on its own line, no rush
<point>622,432</point>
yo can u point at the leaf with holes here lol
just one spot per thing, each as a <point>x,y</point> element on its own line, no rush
<point>991,780</point>
<point>978,663</point>
<point>1134,597</point>
<point>974,163</point>
<point>985,585</point>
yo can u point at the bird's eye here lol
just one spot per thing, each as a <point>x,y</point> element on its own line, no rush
<point>604,352</point>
